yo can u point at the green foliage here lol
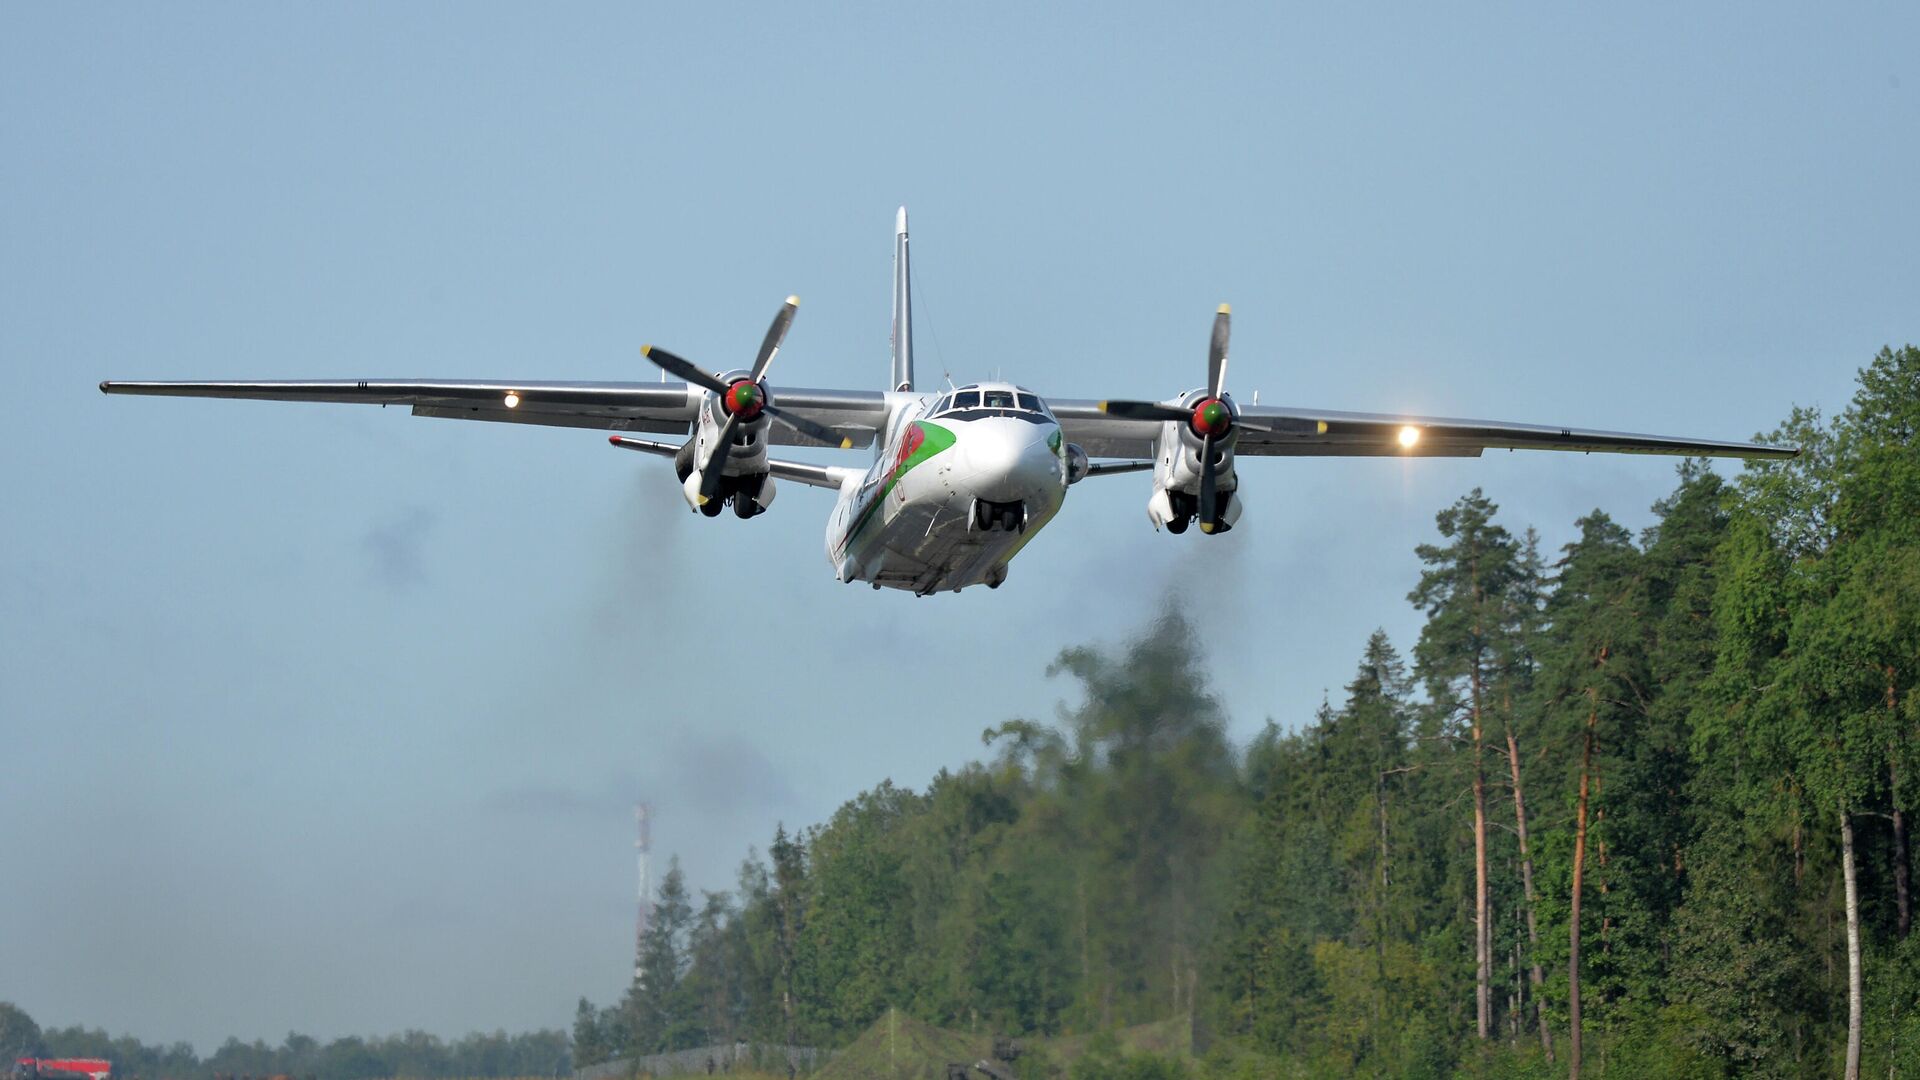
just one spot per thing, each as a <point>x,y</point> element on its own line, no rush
<point>409,1054</point>
<point>19,1035</point>
<point>896,1046</point>
<point>1727,686</point>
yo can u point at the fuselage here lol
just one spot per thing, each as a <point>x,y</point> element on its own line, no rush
<point>961,481</point>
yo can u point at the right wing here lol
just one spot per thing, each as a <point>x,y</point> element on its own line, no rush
<point>667,408</point>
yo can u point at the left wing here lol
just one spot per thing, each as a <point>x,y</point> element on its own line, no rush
<point>1332,433</point>
<point>667,408</point>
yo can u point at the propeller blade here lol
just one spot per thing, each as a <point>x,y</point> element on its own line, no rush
<point>717,460</point>
<point>674,365</point>
<point>1206,485</point>
<point>808,428</point>
<point>1217,351</point>
<point>1145,410</point>
<point>776,334</point>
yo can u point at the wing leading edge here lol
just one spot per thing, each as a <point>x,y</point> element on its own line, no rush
<point>1333,433</point>
<point>666,408</point>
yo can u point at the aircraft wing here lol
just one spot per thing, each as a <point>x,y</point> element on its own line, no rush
<point>1333,433</point>
<point>664,407</point>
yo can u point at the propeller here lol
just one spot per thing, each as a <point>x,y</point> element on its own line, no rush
<point>1212,419</point>
<point>743,399</point>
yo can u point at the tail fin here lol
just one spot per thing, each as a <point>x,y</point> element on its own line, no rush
<point>902,377</point>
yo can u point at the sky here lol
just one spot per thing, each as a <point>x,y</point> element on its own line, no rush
<point>329,719</point>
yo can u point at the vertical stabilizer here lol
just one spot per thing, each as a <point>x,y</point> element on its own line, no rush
<point>902,376</point>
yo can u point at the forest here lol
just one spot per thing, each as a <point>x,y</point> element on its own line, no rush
<point>1636,807</point>
<point>412,1053</point>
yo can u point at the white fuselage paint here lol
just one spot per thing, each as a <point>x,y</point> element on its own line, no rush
<point>910,521</point>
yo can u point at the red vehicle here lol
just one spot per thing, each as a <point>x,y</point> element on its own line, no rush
<point>28,1068</point>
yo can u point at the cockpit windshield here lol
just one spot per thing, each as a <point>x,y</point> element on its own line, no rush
<point>972,402</point>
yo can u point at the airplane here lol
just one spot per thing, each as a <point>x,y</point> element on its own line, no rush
<point>962,479</point>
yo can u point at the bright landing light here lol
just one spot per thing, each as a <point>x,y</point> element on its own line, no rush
<point>1409,435</point>
<point>512,401</point>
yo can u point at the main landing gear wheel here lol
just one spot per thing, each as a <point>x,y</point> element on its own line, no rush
<point>1184,506</point>
<point>746,497</point>
<point>712,507</point>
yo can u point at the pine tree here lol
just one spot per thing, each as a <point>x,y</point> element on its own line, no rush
<point>1594,672</point>
<point>1465,593</point>
<point>589,1046</point>
<point>658,1014</point>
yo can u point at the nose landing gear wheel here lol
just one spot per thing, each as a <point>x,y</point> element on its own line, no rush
<point>999,517</point>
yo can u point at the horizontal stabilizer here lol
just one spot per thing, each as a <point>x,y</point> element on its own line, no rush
<point>825,476</point>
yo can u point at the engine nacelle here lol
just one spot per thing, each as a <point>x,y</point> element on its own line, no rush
<point>1177,468</point>
<point>750,495</point>
<point>1174,510</point>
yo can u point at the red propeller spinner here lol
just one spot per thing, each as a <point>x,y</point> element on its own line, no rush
<point>743,399</point>
<point>1211,417</point>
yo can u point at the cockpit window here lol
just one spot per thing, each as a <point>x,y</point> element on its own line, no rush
<point>1030,403</point>
<point>967,399</point>
<point>999,399</point>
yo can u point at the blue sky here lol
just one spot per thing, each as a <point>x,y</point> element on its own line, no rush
<point>328,718</point>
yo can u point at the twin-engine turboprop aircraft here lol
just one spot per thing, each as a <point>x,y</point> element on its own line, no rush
<point>962,479</point>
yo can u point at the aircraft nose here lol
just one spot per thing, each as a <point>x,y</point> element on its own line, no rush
<point>1011,462</point>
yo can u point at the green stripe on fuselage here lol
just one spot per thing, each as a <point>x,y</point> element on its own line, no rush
<point>922,441</point>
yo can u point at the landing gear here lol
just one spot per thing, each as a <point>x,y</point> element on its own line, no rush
<point>1184,508</point>
<point>1225,513</point>
<point>999,517</point>
<point>746,499</point>
<point>749,495</point>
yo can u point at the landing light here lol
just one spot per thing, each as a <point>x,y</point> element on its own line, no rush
<point>512,400</point>
<point>1409,435</point>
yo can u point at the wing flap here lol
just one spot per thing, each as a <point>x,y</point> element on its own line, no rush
<point>852,414</point>
<point>587,421</point>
